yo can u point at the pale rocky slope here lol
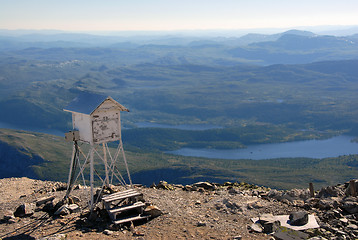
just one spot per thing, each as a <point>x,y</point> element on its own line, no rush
<point>192,212</point>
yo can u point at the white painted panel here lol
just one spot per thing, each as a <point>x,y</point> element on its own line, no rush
<point>105,126</point>
<point>82,123</point>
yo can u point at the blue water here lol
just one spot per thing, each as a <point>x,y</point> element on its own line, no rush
<point>332,147</point>
<point>181,127</point>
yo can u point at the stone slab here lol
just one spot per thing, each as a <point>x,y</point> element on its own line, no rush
<point>285,222</point>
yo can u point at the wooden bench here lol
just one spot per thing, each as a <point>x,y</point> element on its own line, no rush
<point>107,200</point>
<point>115,211</point>
<point>118,213</point>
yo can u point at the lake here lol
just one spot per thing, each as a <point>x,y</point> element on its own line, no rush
<point>192,127</point>
<point>333,147</point>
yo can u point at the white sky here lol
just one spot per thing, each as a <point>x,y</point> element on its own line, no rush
<point>118,15</point>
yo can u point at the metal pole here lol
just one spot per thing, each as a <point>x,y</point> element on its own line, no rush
<point>91,175</point>
<point>105,163</point>
<point>125,162</point>
<point>70,173</point>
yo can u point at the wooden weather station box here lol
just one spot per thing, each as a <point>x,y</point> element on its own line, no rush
<point>95,119</point>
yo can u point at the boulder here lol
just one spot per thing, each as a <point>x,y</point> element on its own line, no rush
<point>350,206</point>
<point>153,211</point>
<point>351,185</point>
<point>51,205</point>
<point>275,194</point>
<point>298,218</point>
<point>165,185</point>
<point>205,185</point>
<point>352,226</point>
<point>232,205</point>
<point>255,227</point>
<point>25,210</point>
<point>330,191</point>
<point>44,200</point>
<point>327,203</point>
<point>270,226</point>
<point>107,232</point>
<point>269,223</point>
<point>200,224</point>
<point>63,210</point>
<point>284,233</point>
<point>74,208</point>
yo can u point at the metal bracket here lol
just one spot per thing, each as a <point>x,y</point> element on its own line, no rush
<point>72,136</point>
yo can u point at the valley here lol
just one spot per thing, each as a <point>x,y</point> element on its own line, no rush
<point>253,89</point>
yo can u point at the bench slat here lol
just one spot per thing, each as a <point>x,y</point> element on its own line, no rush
<point>130,219</point>
<point>126,208</point>
<point>115,198</point>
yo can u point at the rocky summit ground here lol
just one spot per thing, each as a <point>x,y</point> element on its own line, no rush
<point>198,211</point>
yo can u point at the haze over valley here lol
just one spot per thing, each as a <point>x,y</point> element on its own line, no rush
<point>185,91</point>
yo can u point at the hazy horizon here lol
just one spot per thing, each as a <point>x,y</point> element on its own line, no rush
<point>184,15</point>
<point>325,29</point>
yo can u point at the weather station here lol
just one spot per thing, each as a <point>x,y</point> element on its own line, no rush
<point>96,122</point>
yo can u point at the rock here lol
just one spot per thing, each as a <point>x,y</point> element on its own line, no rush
<point>24,210</point>
<point>74,208</point>
<point>74,199</point>
<point>113,227</point>
<point>180,186</point>
<point>205,185</point>
<point>50,206</point>
<point>153,211</point>
<point>295,194</point>
<point>298,218</point>
<point>138,234</point>
<point>317,238</point>
<point>231,205</point>
<point>312,201</point>
<point>200,224</point>
<point>350,207</point>
<point>255,227</point>
<point>352,227</point>
<point>237,237</point>
<point>63,210</point>
<point>298,203</point>
<point>266,217</point>
<point>275,194</point>
<point>79,186</point>
<point>228,184</point>
<point>165,185</point>
<point>349,188</point>
<point>8,215</point>
<point>284,233</point>
<point>344,221</point>
<point>268,223</point>
<point>44,200</point>
<point>271,226</point>
<point>232,191</point>
<point>107,232</point>
<point>330,191</point>
<point>55,237</point>
<point>200,189</point>
<point>254,205</point>
<point>337,214</point>
<point>328,203</point>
